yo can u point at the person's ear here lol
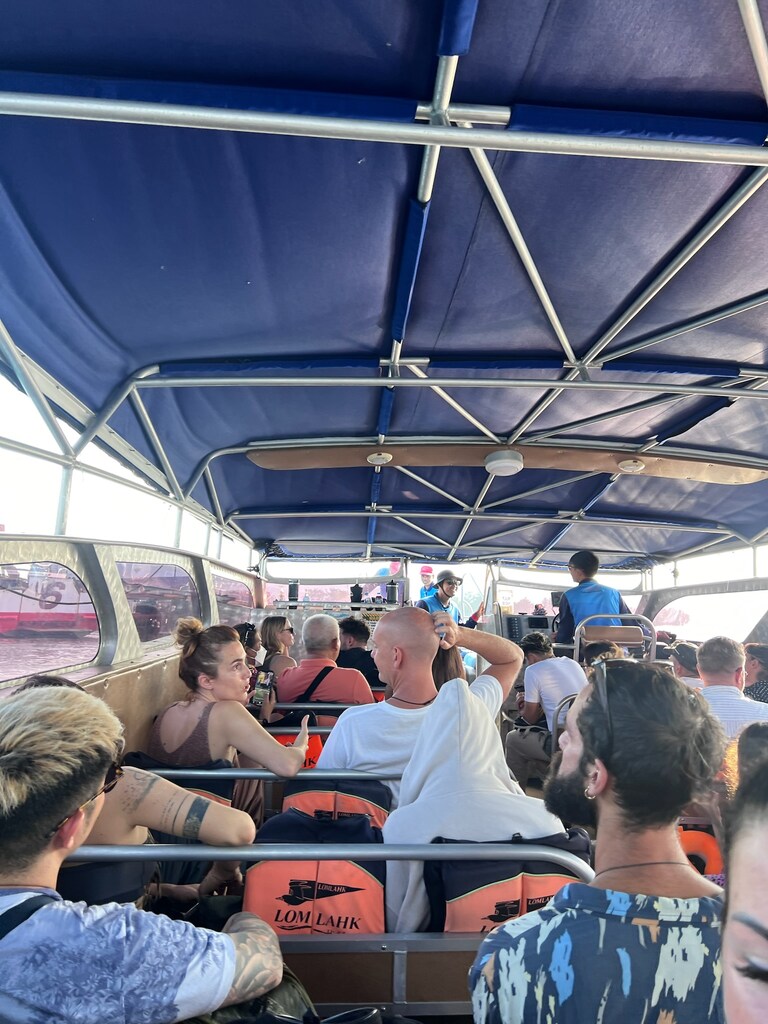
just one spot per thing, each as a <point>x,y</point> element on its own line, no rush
<point>70,835</point>
<point>597,778</point>
<point>204,682</point>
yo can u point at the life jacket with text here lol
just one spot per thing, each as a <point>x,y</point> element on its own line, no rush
<point>339,798</point>
<point>476,896</point>
<point>309,897</point>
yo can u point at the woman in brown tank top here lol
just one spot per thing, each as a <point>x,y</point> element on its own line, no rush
<point>214,723</point>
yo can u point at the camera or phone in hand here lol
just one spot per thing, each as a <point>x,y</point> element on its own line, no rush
<point>261,688</point>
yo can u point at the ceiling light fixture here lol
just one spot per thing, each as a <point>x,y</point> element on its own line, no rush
<point>379,458</point>
<point>504,463</point>
<point>632,466</point>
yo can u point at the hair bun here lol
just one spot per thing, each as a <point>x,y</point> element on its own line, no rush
<point>186,630</point>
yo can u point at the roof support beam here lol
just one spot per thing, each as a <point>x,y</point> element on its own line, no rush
<point>509,221</point>
<point>732,205</point>
<point>468,521</point>
<point>28,382</point>
<point>361,130</point>
<point>642,524</point>
<point>441,393</point>
<point>157,445</point>
<point>447,382</point>
<point>432,487</point>
<point>753,24</point>
<point>688,325</point>
<point>432,536</point>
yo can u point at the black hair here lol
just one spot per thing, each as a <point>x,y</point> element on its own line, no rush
<point>753,747</point>
<point>586,562</point>
<point>760,653</point>
<point>658,739</point>
<point>536,643</point>
<point>248,633</point>
<point>39,681</point>
<point>355,628</point>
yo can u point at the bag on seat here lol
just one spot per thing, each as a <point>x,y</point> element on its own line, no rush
<point>321,896</point>
<point>340,798</point>
<point>476,896</point>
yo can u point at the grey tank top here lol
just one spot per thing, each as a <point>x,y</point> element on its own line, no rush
<point>194,750</point>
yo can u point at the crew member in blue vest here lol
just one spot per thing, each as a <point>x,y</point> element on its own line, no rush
<point>587,598</point>
<point>428,585</point>
<point>441,601</point>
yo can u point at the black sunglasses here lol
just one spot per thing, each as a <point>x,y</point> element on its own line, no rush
<point>114,772</point>
<point>600,686</point>
<point>289,629</point>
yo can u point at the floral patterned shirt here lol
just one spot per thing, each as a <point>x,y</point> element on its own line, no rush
<point>112,964</point>
<point>601,955</point>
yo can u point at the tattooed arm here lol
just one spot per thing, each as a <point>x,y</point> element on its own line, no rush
<point>258,964</point>
<point>146,799</point>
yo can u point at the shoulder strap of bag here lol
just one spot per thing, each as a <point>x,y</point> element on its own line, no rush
<point>18,915</point>
<point>304,698</point>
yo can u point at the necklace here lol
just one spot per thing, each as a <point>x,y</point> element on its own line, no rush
<point>641,864</point>
<point>415,703</point>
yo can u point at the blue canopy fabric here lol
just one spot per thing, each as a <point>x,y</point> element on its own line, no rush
<point>210,258</point>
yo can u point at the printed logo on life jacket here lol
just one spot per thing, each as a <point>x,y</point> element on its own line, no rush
<point>302,890</point>
<point>503,911</point>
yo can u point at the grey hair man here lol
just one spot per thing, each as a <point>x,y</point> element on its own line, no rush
<point>721,668</point>
<point>320,635</point>
<point>59,754</point>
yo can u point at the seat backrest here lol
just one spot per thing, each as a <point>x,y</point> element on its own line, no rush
<point>624,636</point>
<point>339,798</point>
<point>317,896</point>
<point>476,896</point>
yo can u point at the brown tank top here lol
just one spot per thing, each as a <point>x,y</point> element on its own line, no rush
<point>193,751</point>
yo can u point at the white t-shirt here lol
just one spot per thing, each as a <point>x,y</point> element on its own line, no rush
<point>549,681</point>
<point>379,737</point>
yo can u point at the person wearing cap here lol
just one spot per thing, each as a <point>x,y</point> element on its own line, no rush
<point>428,585</point>
<point>683,657</point>
<point>442,600</point>
<point>547,681</point>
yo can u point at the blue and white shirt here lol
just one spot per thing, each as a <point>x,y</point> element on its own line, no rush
<point>601,955</point>
<point>73,964</point>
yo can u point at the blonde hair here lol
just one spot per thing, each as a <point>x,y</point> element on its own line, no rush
<point>55,747</point>
<point>271,628</point>
<point>201,649</point>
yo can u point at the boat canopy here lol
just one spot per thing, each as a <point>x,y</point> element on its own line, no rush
<point>446,279</point>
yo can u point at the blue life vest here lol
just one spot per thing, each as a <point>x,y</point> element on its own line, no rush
<point>591,598</point>
<point>434,604</point>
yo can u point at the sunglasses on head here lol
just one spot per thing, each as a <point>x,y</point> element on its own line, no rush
<point>114,772</point>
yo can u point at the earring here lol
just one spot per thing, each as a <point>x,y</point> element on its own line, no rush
<point>588,795</point>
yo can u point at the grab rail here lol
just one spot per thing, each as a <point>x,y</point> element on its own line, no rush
<point>315,774</point>
<point>340,851</point>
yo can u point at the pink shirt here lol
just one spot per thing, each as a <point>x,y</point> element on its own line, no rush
<point>340,686</point>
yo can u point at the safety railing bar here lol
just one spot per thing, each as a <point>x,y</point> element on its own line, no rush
<point>316,706</point>
<point>291,730</point>
<point>338,851</point>
<point>316,774</point>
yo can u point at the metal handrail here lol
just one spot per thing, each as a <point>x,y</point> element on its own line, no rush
<point>636,619</point>
<point>315,774</point>
<point>340,851</point>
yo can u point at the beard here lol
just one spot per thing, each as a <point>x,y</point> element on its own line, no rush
<point>564,796</point>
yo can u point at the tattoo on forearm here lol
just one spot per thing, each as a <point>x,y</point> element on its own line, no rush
<point>194,818</point>
<point>259,964</point>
